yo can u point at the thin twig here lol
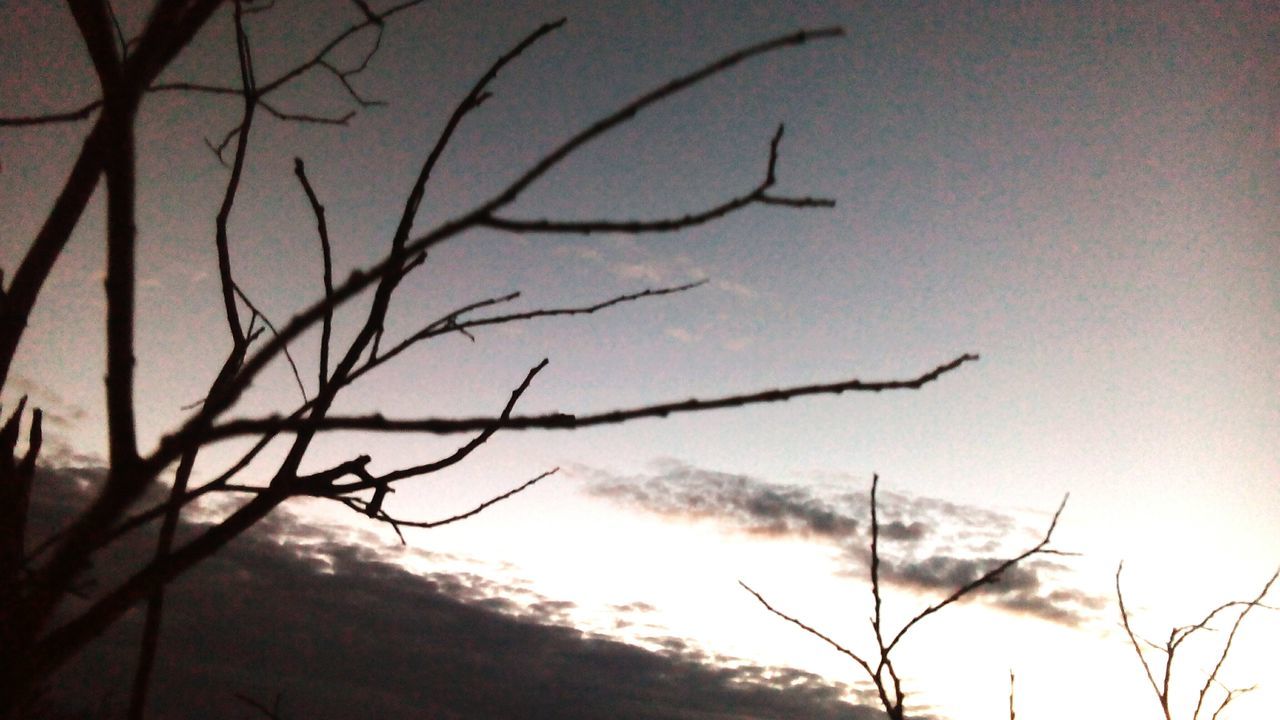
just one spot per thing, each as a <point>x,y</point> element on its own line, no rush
<point>267,321</point>
<point>451,323</point>
<point>1226,647</point>
<point>360,507</point>
<point>989,577</point>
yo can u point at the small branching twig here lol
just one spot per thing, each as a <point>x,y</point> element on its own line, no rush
<point>397,523</point>
<point>759,195</point>
<point>882,673</point>
<point>1178,635</point>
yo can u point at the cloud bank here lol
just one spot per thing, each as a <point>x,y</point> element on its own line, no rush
<point>926,545</point>
<point>338,631</point>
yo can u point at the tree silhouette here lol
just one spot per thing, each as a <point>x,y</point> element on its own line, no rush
<point>38,632</point>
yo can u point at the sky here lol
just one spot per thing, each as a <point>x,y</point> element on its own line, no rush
<point>1084,194</point>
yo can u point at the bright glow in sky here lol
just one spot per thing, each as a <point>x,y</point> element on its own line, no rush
<point>1083,193</point>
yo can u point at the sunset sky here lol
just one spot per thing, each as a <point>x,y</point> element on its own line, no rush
<point>1085,194</point>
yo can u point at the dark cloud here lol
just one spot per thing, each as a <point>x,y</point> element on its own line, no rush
<point>634,607</point>
<point>340,632</point>
<point>752,506</point>
<point>926,544</point>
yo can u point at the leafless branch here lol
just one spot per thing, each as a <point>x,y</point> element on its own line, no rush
<point>322,229</point>
<point>297,376</point>
<point>991,576</point>
<point>1012,715</point>
<point>890,689</point>
<point>1178,635</point>
<point>198,426</point>
<point>324,485</point>
<point>76,115</point>
<point>453,322</point>
<point>629,111</point>
<point>381,515</point>
<point>809,629</point>
<point>306,117</point>
<point>566,421</point>
<point>759,195</point>
<point>317,60</point>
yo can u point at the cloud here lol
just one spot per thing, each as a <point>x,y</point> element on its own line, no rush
<point>340,631</point>
<point>752,506</point>
<point>735,288</point>
<point>681,334</point>
<point>926,544</point>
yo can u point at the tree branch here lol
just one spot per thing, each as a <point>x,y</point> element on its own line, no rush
<point>758,196</point>
<point>566,421</point>
<point>989,577</point>
<point>1178,635</point>
<point>380,515</point>
<point>450,323</point>
<point>171,445</point>
<point>322,229</point>
<point>630,110</point>
<point>892,702</point>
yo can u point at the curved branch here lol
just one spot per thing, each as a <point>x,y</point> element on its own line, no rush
<point>362,508</point>
<point>758,196</point>
<point>566,421</point>
<point>652,97</point>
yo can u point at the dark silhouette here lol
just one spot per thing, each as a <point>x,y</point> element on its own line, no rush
<point>38,633</point>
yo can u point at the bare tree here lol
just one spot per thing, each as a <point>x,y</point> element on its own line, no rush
<point>38,631</point>
<point>1213,685</point>
<point>879,666</point>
